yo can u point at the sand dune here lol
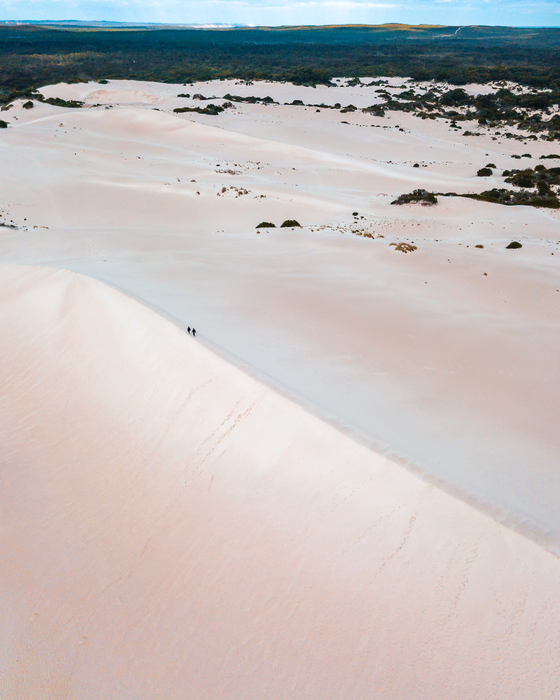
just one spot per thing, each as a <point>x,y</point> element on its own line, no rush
<point>445,359</point>
<point>242,515</point>
<point>173,528</point>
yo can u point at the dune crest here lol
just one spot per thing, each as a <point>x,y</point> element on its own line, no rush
<point>172,528</point>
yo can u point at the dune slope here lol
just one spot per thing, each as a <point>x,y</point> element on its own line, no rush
<point>172,528</point>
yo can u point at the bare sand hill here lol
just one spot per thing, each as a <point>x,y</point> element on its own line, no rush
<point>173,528</point>
<point>347,486</point>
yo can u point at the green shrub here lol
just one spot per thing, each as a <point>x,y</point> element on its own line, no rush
<point>514,244</point>
<point>516,198</point>
<point>28,105</point>
<point>418,196</point>
<point>59,102</point>
<point>211,109</point>
<point>3,124</point>
<point>290,223</point>
<point>266,224</point>
<point>484,172</point>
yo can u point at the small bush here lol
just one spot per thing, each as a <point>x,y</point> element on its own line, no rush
<point>211,109</point>
<point>290,223</point>
<point>266,224</point>
<point>478,245</point>
<point>490,165</point>
<point>355,213</point>
<point>418,196</point>
<point>484,172</point>
<point>514,244</point>
<point>404,247</point>
<point>58,102</point>
<point>3,124</point>
<point>28,105</point>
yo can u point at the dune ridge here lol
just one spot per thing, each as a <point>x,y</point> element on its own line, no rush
<point>172,528</point>
<point>445,358</point>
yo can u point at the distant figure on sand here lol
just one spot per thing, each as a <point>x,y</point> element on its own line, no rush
<point>194,332</point>
<point>189,330</point>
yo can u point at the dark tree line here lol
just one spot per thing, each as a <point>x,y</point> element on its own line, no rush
<point>31,56</point>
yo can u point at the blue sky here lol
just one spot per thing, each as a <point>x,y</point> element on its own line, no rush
<point>274,12</point>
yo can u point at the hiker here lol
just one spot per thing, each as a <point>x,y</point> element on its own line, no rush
<point>194,332</point>
<point>189,330</point>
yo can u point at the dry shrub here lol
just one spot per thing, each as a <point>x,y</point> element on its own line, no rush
<point>404,247</point>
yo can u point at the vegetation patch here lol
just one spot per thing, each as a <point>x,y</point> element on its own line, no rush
<point>514,244</point>
<point>417,197</point>
<point>540,177</point>
<point>58,102</point>
<point>538,187</point>
<point>3,124</point>
<point>251,99</point>
<point>211,109</point>
<point>404,247</point>
<point>290,223</point>
<point>513,198</point>
<point>266,224</point>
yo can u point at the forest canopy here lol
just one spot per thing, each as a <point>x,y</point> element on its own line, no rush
<point>35,55</point>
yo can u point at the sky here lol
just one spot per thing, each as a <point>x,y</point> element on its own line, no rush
<point>525,13</point>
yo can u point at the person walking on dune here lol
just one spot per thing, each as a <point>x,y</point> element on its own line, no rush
<point>194,332</point>
<point>189,330</point>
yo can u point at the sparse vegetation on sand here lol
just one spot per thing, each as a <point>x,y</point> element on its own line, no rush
<point>404,247</point>
<point>513,198</point>
<point>266,224</point>
<point>251,99</point>
<point>210,109</point>
<point>417,197</point>
<point>539,187</point>
<point>484,172</point>
<point>541,178</point>
<point>59,102</point>
<point>290,223</point>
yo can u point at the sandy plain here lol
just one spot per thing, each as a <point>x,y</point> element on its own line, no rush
<point>177,527</point>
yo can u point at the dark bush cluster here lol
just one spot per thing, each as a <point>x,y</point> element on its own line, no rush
<point>540,177</point>
<point>515,198</point>
<point>210,109</point>
<point>418,196</point>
